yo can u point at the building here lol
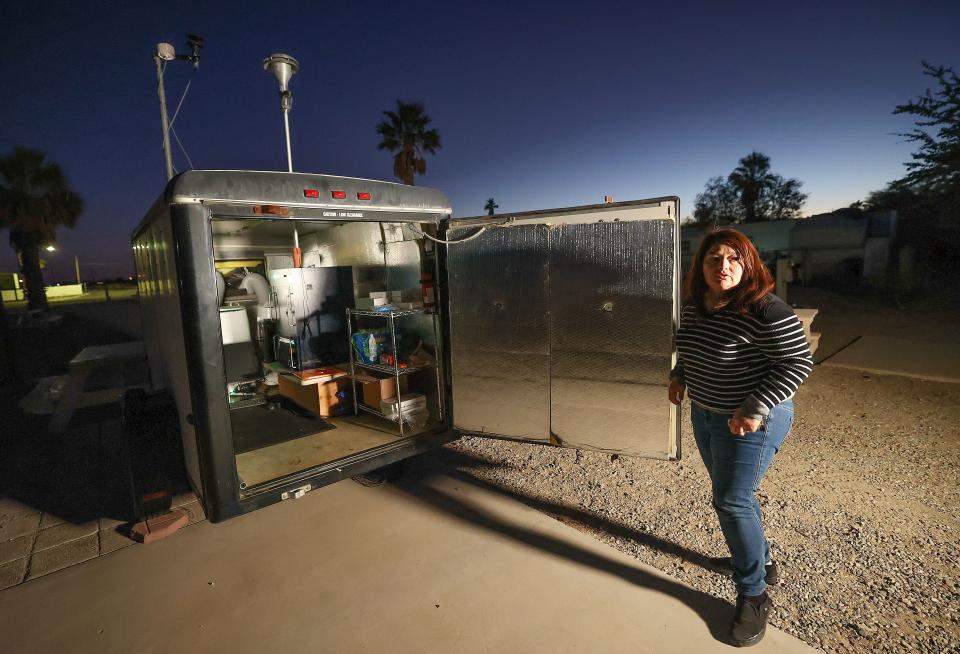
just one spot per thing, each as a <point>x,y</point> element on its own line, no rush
<point>10,288</point>
<point>845,243</point>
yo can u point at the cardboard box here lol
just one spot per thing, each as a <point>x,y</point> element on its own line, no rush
<point>372,389</point>
<point>320,398</point>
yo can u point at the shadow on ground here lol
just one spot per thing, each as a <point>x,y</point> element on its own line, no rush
<point>414,479</point>
<point>77,476</point>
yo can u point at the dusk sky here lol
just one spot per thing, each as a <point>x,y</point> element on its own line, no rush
<point>539,105</point>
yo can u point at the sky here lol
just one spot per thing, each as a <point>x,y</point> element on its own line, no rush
<point>539,105</point>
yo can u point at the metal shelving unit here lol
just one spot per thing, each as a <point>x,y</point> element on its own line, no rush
<point>395,369</point>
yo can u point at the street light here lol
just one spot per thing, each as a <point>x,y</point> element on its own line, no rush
<point>283,67</point>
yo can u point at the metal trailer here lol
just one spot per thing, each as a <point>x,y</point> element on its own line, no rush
<point>555,327</point>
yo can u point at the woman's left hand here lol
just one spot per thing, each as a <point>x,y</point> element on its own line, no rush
<point>741,425</point>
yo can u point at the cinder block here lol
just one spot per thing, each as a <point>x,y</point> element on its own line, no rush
<point>156,529</point>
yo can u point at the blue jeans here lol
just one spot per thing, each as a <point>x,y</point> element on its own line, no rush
<point>736,465</point>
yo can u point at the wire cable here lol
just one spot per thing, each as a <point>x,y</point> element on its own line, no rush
<point>180,143</point>
<point>440,240</point>
<point>183,97</point>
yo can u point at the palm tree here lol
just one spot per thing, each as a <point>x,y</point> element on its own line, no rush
<point>490,206</point>
<point>752,178</point>
<point>35,198</point>
<point>405,133</point>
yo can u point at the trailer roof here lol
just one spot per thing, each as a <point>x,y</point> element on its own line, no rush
<point>307,190</point>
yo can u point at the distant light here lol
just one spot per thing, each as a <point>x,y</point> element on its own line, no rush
<point>363,195</point>
<point>311,193</point>
<point>51,248</point>
<point>339,195</point>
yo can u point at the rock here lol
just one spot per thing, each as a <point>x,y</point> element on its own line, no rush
<point>864,630</point>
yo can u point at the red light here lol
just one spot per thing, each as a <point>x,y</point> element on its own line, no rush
<point>311,193</point>
<point>363,195</point>
<point>339,195</point>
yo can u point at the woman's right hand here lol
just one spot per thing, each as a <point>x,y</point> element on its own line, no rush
<point>676,391</point>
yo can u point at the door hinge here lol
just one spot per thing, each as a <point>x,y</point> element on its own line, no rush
<point>296,493</point>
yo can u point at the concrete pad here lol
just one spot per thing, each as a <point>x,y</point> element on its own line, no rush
<point>909,357</point>
<point>12,572</point>
<point>433,565</point>
<point>63,556</point>
<point>112,540</point>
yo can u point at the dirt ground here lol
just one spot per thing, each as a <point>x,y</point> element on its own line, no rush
<point>862,504</point>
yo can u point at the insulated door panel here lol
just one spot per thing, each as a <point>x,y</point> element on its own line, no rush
<point>612,308</point>
<point>500,354</point>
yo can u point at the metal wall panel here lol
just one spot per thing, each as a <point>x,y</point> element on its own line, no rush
<point>162,320</point>
<point>377,267</point>
<point>611,307</point>
<point>500,346</point>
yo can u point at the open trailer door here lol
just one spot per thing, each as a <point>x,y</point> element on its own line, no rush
<point>562,326</point>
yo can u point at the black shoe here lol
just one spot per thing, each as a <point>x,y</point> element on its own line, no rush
<point>722,565</point>
<point>750,621</point>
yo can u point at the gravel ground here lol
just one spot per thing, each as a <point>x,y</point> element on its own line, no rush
<point>861,506</point>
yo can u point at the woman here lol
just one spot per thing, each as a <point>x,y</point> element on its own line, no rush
<point>741,355</point>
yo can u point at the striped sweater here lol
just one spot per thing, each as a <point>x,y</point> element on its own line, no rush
<point>729,361</point>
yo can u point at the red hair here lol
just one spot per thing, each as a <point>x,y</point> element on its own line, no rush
<point>745,297</point>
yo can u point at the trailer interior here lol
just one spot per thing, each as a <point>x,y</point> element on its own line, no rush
<point>330,356</point>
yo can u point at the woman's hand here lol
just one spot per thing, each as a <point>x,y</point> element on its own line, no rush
<point>741,425</point>
<point>676,391</point>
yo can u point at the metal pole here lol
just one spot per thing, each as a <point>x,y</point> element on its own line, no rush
<point>76,262</point>
<point>164,121</point>
<point>285,103</point>
<point>286,131</point>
